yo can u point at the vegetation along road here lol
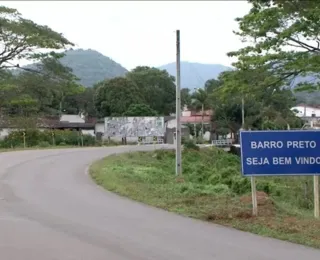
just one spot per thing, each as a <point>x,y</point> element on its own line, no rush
<point>50,209</point>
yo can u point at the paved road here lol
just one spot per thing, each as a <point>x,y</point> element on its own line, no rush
<point>51,210</point>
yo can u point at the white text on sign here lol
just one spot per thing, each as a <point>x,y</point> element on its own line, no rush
<point>282,160</point>
<point>281,144</point>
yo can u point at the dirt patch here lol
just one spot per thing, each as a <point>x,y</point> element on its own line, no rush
<point>266,206</point>
<point>262,198</point>
<point>180,180</point>
<point>243,209</point>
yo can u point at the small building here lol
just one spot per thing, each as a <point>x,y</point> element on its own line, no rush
<point>305,111</point>
<point>65,122</point>
<point>170,133</point>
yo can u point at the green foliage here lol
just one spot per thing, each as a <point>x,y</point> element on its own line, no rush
<point>200,100</point>
<point>46,91</point>
<point>185,97</point>
<point>157,88</point>
<point>147,90</point>
<point>212,85</point>
<point>113,97</point>
<point>43,87</point>
<point>261,104</point>
<point>212,188</point>
<point>34,137</point>
<point>22,38</point>
<point>205,172</point>
<point>139,110</point>
<point>191,145</point>
<point>282,40</point>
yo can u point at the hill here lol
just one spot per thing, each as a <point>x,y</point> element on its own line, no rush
<point>90,66</point>
<point>194,75</point>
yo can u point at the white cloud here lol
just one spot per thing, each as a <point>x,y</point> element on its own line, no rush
<point>143,33</point>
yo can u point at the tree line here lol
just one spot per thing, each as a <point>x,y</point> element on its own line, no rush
<point>282,43</point>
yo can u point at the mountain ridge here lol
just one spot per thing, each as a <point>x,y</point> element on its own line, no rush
<point>194,74</point>
<point>90,66</point>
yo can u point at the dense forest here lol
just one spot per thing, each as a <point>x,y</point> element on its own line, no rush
<point>262,76</point>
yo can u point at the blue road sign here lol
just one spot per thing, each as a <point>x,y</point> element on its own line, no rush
<point>272,153</point>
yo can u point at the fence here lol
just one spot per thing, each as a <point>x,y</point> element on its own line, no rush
<point>222,142</point>
<point>142,140</point>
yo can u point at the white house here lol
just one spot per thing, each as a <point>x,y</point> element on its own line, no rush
<point>302,110</point>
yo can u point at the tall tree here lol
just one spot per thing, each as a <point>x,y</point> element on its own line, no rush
<point>81,103</point>
<point>21,38</point>
<point>139,110</point>
<point>157,88</point>
<point>185,97</point>
<point>113,97</point>
<point>62,78</point>
<point>212,85</point>
<point>261,103</point>
<point>283,38</point>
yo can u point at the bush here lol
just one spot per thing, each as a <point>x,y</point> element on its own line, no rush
<point>35,137</point>
<point>191,145</point>
<point>44,144</point>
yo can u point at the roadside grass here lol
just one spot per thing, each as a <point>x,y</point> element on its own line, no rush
<point>46,146</point>
<point>34,148</point>
<point>50,147</point>
<point>213,189</point>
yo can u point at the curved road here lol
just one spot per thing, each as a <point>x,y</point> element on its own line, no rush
<point>51,210</point>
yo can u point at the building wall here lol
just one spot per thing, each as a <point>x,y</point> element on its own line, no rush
<point>99,128</point>
<point>309,111</point>
<point>134,126</point>
<point>88,132</point>
<point>170,134</point>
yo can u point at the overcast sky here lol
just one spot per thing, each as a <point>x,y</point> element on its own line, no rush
<point>143,33</point>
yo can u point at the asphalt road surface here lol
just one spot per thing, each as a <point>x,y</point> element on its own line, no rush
<point>51,210</point>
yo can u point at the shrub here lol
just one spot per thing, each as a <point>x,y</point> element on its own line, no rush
<point>35,137</point>
<point>191,145</point>
<point>44,144</point>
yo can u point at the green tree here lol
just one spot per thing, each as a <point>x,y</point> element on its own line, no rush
<point>157,88</point>
<point>39,92</point>
<point>81,103</point>
<point>64,82</point>
<point>21,38</point>
<point>140,110</point>
<point>185,97</point>
<point>113,97</point>
<point>38,87</point>
<point>212,85</point>
<point>283,39</point>
<point>261,103</point>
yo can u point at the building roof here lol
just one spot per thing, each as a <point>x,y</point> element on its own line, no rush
<point>72,119</point>
<point>308,106</point>
<point>42,122</point>
<point>199,113</point>
<point>195,119</point>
